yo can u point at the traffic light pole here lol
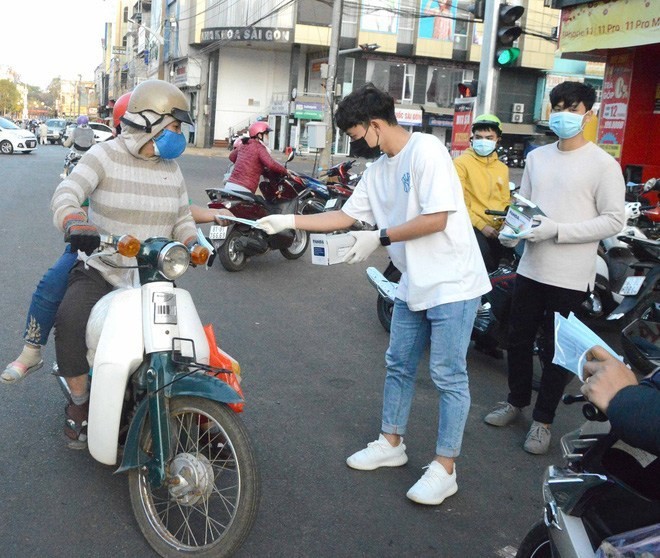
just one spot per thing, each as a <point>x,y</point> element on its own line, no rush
<point>488,73</point>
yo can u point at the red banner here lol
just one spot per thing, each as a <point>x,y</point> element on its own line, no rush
<point>461,130</point>
<point>614,105</point>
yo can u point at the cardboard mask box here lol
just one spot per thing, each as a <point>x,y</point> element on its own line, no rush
<point>329,249</point>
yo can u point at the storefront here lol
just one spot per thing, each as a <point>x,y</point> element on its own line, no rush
<point>626,34</point>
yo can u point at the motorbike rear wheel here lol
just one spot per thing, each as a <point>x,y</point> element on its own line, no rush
<point>298,246</point>
<point>536,543</point>
<point>209,501</point>
<point>231,258</point>
<point>384,309</point>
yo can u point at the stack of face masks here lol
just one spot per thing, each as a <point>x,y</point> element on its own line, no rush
<point>573,340</point>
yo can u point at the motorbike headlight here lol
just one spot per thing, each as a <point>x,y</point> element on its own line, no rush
<point>173,260</point>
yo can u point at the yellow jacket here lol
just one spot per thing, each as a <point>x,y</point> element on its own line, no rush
<point>485,182</point>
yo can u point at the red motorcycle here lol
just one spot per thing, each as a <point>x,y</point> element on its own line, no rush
<point>236,243</point>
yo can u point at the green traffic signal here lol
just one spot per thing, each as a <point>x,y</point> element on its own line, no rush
<point>507,56</point>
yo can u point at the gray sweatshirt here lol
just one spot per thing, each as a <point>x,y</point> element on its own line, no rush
<point>583,191</point>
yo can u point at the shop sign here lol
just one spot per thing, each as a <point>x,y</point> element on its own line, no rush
<point>280,107</point>
<point>408,117</point>
<point>609,24</point>
<point>439,122</point>
<point>461,127</point>
<point>262,34</point>
<point>614,104</point>
<point>308,111</point>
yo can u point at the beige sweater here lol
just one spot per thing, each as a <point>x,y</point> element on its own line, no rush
<point>583,191</point>
<point>127,195</point>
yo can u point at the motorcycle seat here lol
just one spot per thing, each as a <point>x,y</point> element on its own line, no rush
<point>247,196</point>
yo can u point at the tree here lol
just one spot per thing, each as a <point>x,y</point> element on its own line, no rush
<point>10,98</point>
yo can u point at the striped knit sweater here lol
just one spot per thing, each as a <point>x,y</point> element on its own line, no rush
<point>128,194</point>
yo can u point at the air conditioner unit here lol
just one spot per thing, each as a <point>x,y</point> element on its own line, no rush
<point>517,118</point>
<point>518,107</point>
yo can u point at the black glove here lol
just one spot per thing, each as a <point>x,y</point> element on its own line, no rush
<point>81,234</point>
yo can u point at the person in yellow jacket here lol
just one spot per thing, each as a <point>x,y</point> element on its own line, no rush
<point>485,181</point>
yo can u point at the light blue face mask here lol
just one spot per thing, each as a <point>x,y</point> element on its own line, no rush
<point>566,124</point>
<point>483,147</point>
<point>169,144</point>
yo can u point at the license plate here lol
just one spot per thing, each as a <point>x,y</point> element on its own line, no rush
<point>218,233</point>
<point>632,285</point>
<point>331,203</point>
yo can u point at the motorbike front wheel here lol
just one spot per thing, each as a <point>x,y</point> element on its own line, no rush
<point>231,258</point>
<point>536,543</point>
<point>298,246</point>
<point>209,501</point>
<point>384,309</point>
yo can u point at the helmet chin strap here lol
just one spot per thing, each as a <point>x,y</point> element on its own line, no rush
<point>147,127</point>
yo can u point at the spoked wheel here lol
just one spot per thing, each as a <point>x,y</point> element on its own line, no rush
<point>231,258</point>
<point>536,543</point>
<point>209,501</point>
<point>298,246</point>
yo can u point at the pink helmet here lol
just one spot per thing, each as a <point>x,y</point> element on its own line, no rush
<point>237,143</point>
<point>259,127</point>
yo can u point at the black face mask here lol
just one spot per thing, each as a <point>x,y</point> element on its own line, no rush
<point>360,148</point>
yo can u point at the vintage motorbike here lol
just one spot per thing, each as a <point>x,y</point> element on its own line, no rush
<point>236,243</point>
<point>163,402</point>
<point>606,489</point>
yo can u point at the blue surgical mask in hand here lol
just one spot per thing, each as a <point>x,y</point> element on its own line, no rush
<point>573,340</point>
<point>483,147</point>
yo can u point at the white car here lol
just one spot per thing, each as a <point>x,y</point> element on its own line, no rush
<point>102,132</point>
<point>13,138</point>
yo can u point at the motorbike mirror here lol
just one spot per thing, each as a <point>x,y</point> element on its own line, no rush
<point>649,184</point>
<point>292,154</point>
<point>128,246</point>
<point>512,186</point>
<point>199,255</point>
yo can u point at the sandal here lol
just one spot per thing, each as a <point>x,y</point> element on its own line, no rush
<point>16,371</point>
<point>75,425</point>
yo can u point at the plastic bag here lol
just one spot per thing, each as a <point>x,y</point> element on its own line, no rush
<point>640,543</point>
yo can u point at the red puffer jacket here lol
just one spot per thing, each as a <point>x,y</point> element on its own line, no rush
<point>249,161</point>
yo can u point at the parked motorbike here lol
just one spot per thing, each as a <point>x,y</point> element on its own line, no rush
<point>163,401</point>
<point>236,243</point>
<point>70,162</point>
<point>647,195</point>
<point>605,487</point>
<point>341,174</point>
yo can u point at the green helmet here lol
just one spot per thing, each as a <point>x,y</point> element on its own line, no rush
<point>487,121</point>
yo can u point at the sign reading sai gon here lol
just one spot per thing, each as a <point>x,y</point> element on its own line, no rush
<point>263,34</point>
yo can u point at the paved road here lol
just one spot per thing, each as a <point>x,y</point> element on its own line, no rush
<point>311,349</point>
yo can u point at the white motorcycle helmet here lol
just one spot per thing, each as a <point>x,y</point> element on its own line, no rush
<point>159,98</point>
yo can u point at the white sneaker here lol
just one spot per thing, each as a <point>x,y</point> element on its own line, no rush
<point>378,454</point>
<point>434,486</point>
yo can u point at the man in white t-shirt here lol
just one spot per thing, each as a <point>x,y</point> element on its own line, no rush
<point>580,189</point>
<point>414,195</point>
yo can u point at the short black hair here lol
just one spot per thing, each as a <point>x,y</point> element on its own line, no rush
<point>573,93</point>
<point>484,127</point>
<point>364,104</point>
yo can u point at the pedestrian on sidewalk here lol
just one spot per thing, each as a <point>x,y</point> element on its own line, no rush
<point>414,195</point>
<point>580,189</point>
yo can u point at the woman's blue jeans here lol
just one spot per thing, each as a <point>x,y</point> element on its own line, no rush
<point>46,299</point>
<point>447,327</point>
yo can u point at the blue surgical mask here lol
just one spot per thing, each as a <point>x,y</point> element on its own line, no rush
<point>566,124</point>
<point>169,144</point>
<point>483,147</point>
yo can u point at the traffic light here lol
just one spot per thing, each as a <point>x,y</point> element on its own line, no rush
<point>468,88</point>
<point>507,32</point>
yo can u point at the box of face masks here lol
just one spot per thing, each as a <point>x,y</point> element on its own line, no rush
<point>329,249</point>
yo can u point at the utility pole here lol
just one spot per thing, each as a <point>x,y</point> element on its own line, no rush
<point>488,73</point>
<point>329,97</point>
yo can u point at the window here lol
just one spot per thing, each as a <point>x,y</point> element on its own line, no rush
<point>442,84</point>
<point>347,80</point>
<point>398,79</point>
<point>125,18</point>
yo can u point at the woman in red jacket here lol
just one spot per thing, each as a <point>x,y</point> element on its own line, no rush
<point>250,160</point>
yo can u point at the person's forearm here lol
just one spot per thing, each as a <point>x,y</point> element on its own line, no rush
<point>422,225</point>
<point>634,413</point>
<point>324,222</point>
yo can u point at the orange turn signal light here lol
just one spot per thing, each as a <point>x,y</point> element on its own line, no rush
<point>128,246</point>
<point>199,255</point>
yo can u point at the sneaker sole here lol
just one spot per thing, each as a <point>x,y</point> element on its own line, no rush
<point>435,502</point>
<point>398,462</point>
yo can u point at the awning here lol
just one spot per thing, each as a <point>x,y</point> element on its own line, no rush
<point>519,129</point>
<point>433,109</point>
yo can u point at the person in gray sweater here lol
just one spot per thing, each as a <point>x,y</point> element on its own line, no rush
<point>580,189</point>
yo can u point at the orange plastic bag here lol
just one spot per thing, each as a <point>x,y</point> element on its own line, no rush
<point>219,359</point>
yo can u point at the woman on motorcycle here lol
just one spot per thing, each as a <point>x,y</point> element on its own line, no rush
<point>251,160</point>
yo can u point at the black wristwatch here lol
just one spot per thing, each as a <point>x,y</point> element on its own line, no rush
<point>384,239</point>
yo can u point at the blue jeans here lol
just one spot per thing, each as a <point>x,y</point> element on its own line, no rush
<point>46,299</point>
<point>448,328</point>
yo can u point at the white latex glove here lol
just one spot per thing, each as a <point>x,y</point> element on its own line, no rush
<point>545,230</point>
<point>273,224</point>
<point>505,237</point>
<point>365,243</point>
